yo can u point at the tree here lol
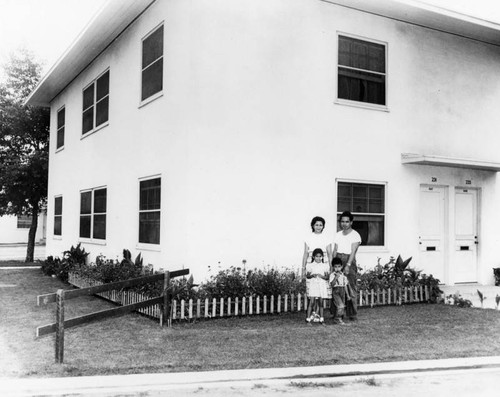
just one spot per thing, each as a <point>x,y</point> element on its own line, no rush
<point>24,144</point>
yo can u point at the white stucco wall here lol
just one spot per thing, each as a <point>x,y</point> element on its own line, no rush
<point>249,141</point>
<point>11,234</point>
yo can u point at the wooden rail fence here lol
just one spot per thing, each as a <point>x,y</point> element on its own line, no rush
<point>255,305</point>
<point>162,302</point>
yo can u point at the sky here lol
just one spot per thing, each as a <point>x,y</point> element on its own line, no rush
<point>48,27</point>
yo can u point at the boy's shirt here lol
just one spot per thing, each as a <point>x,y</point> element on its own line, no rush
<point>338,280</point>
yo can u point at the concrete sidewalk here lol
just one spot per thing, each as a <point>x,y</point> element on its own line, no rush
<point>192,381</point>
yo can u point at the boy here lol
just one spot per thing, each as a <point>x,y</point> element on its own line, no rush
<point>340,291</point>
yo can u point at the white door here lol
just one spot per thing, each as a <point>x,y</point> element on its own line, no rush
<point>432,231</point>
<point>464,263</point>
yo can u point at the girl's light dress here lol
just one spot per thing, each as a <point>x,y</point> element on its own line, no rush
<point>317,287</point>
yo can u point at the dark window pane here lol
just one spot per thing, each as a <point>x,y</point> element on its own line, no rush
<point>361,86</point>
<point>370,228</point>
<point>344,204</point>
<point>60,137</point>
<point>152,47</point>
<point>57,225</point>
<point>344,189</point>
<point>99,227</point>
<point>149,227</point>
<point>85,226</point>
<point>58,206</point>
<point>88,96</point>
<point>88,120</point>
<point>376,192</point>
<point>61,116</point>
<point>150,194</point>
<point>376,206</point>
<point>102,86</point>
<point>100,200</point>
<point>361,54</point>
<point>152,79</point>
<point>102,111</point>
<point>86,203</point>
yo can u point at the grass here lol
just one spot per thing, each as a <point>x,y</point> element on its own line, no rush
<point>135,344</point>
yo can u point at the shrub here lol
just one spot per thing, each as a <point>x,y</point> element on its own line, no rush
<point>236,282</point>
<point>72,258</point>
<point>457,300</point>
<point>397,274</point>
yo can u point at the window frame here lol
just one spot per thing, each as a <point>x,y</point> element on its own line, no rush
<point>94,104</point>
<point>366,248</point>
<point>92,214</point>
<point>157,94</point>
<point>56,216</point>
<point>148,245</point>
<point>355,103</point>
<point>23,221</point>
<point>60,128</point>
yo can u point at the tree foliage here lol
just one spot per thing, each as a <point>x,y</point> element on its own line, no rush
<point>24,143</point>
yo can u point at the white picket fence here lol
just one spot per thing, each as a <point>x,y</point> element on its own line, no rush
<point>248,306</point>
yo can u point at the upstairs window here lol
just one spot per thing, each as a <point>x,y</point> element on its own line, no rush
<point>96,103</point>
<point>61,121</point>
<point>367,203</point>
<point>93,214</point>
<point>152,64</point>
<point>58,202</point>
<point>149,211</point>
<point>361,71</point>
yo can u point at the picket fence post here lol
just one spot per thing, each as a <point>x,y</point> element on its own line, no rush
<point>243,306</point>
<point>59,326</point>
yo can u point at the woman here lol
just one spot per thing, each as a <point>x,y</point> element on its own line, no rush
<point>316,239</point>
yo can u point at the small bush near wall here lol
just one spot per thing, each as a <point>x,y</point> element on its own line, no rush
<point>397,274</point>
<point>236,282</point>
<point>72,259</point>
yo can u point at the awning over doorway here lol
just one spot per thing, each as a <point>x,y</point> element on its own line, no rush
<point>443,161</point>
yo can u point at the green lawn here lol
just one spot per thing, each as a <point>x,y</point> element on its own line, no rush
<point>135,344</point>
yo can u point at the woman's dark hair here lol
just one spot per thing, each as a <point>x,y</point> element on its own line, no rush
<point>317,219</point>
<point>346,214</point>
<point>317,251</point>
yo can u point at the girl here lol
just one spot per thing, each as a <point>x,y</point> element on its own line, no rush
<point>317,275</point>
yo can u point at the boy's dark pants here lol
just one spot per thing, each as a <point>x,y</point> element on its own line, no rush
<point>338,302</point>
<point>352,305</point>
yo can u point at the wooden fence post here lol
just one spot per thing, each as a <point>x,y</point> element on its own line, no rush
<point>59,326</point>
<point>165,319</point>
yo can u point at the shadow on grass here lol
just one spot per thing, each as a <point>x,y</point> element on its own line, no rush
<point>135,344</point>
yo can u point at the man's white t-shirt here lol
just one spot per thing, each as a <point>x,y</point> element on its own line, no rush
<point>344,241</point>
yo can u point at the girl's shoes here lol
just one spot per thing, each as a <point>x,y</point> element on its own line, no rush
<point>322,321</point>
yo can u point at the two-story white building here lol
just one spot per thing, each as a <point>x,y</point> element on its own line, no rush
<point>203,133</point>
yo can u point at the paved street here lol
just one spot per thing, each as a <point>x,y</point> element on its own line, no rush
<point>449,377</point>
